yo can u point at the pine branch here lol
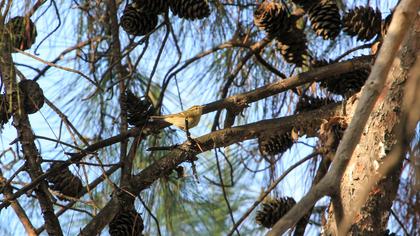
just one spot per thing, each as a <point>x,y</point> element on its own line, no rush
<point>216,139</point>
<point>20,212</point>
<point>25,134</point>
<point>232,102</point>
<point>121,73</point>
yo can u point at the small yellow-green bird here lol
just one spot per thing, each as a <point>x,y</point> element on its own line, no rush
<point>193,115</point>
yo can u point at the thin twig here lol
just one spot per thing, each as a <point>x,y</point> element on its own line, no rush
<point>151,214</point>
<point>58,66</point>
<point>269,67</point>
<point>75,209</point>
<point>82,163</point>
<point>165,39</point>
<point>57,141</point>
<point>219,171</point>
<point>270,188</point>
<point>368,45</point>
<point>399,222</point>
<point>69,125</point>
<point>63,53</point>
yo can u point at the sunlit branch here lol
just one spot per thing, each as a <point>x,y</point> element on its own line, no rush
<point>373,87</point>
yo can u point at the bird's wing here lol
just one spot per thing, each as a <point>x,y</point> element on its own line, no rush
<point>156,117</point>
<point>162,117</point>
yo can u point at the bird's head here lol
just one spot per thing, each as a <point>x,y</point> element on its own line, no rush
<point>198,109</point>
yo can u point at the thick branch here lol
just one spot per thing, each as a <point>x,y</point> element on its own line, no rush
<point>26,137</point>
<point>239,100</point>
<point>402,19</point>
<point>20,212</point>
<point>216,139</point>
<point>372,202</point>
<point>233,102</point>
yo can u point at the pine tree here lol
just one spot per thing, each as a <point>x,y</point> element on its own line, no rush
<point>279,83</point>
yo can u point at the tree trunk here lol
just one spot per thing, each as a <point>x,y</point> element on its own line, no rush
<point>376,142</point>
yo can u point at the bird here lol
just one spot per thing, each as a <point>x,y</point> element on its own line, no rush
<point>192,115</point>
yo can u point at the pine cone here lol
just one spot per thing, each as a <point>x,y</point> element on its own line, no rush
<point>272,18</point>
<point>151,6</point>
<point>273,210</point>
<point>127,223</point>
<point>293,46</point>
<point>4,115</point>
<point>65,182</point>
<point>347,84</point>
<point>33,96</point>
<point>325,19</point>
<point>23,32</point>
<point>138,109</point>
<point>275,144</point>
<point>307,103</point>
<point>190,9</point>
<point>137,23</point>
<point>275,21</point>
<point>363,22</point>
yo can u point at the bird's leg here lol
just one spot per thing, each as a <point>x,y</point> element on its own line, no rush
<point>194,169</point>
<point>193,144</point>
<point>343,105</point>
<point>191,140</point>
<point>187,130</point>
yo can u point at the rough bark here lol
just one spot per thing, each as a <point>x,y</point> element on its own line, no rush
<point>25,134</point>
<point>7,191</point>
<point>330,184</point>
<point>375,144</point>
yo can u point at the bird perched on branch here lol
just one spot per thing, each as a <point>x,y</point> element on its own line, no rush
<point>192,115</point>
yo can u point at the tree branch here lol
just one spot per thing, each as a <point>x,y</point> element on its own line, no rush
<point>6,189</point>
<point>318,74</point>
<point>92,185</point>
<point>121,73</point>
<point>401,21</point>
<point>25,134</point>
<point>216,139</point>
<point>232,102</point>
